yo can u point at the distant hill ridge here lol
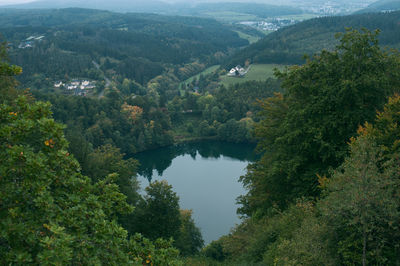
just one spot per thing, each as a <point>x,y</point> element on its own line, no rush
<point>382,6</point>
<point>137,46</point>
<point>202,9</point>
<point>289,45</point>
<point>115,5</point>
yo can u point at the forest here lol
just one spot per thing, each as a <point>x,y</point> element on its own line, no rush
<point>136,46</point>
<point>324,191</point>
<point>289,45</point>
<point>381,6</point>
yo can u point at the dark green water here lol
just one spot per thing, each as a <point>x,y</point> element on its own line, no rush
<point>205,177</point>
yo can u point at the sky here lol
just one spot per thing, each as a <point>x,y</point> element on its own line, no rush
<point>281,2</point>
<point>12,2</point>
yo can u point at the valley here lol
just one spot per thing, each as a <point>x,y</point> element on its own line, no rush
<point>199,133</point>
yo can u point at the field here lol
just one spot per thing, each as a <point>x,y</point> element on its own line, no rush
<point>300,17</point>
<point>231,17</point>
<point>257,72</point>
<point>204,72</point>
<point>250,38</point>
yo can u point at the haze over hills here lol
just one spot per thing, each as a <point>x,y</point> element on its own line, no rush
<point>138,46</point>
<point>382,6</point>
<point>182,7</point>
<point>324,192</point>
<point>288,45</point>
<point>119,5</point>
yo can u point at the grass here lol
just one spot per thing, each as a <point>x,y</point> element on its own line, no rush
<point>231,17</point>
<point>299,17</point>
<point>257,72</point>
<point>250,38</point>
<point>204,72</point>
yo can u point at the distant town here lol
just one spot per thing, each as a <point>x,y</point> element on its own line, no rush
<point>76,86</point>
<point>328,8</point>
<point>30,41</point>
<point>272,24</point>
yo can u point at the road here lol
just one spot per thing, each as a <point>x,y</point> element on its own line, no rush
<point>108,81</point>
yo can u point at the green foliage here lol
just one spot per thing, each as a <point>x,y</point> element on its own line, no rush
<point>225,113</point>
<point>304,132</point>
<point>130,124</point>
<point>190,240</point>
<point>108,159</point>
<point>259,240</point>
<point>158,214</point>
<point>51,214</point>
<point>308,245</point>
<point>215,251</point>
<point>356,220</point>
<point>289,44</point>
<point>7,73</point>
<point>139,47</point>
<point>158,252</point>
<point>48,208</point>
<point>362,206</point>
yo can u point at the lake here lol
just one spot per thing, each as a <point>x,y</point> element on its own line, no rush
<point>205,177</point>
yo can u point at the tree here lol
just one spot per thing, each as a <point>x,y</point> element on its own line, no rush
<point>50,213</point>
<point>304,131</point>
<point>158,214</point>
<point>7,73</point>
<point>362,206</point>
<point>357,218</point>
<point>106,160</point>
<point>190,240</point>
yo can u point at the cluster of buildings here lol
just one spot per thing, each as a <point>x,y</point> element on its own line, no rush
<point>30,41</point>
<point>238,71</point>
<point>333,7</point>
<point>76,86</point>
<point>272,24</point>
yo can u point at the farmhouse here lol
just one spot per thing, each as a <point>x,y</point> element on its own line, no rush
<point>58,84</point>
<point>237,71</point>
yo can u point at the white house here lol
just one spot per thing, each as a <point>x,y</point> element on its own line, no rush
<point>237,71</point>
<point>58,84</point>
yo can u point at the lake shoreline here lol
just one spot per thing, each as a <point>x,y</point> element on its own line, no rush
<point>205,175</point>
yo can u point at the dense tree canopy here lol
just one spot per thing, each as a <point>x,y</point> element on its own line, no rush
<point>7,73</point>
<point>289,44</point>
<point>159,214</point>
<point>305,130</point>
<point>50,214</point>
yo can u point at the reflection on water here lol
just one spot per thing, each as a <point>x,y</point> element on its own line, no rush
<point>161,159</point>
<point>205,177</point>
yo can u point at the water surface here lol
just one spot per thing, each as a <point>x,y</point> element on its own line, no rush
<point>205,177</point>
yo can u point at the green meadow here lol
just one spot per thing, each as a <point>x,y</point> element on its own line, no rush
<point>257,72</point>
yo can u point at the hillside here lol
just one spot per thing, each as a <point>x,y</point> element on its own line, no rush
<point>289,45</point>
<point>162,7</point>
<point>257,9</point>
<point>382,6</point>
<point>118,6</point>
<point>134,46</point>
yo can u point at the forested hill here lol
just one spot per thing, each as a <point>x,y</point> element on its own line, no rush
<point>382,6</point>
<point>258,9</point>
<point>289,45</point>
<point>135,46</point>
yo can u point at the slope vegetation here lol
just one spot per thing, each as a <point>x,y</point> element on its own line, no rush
<point>290,44</point>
